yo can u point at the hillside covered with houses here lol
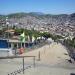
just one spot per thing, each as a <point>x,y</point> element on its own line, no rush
<point>62,24</point>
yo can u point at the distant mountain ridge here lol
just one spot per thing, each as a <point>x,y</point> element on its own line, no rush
<point>40,14</point>
<point>36,13</point>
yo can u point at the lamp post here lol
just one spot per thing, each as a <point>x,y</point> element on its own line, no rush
<point>7,24</point>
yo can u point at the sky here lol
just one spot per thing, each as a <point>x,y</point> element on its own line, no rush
<point>45,6</point>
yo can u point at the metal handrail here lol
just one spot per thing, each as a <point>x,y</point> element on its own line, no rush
<point>11,57</point>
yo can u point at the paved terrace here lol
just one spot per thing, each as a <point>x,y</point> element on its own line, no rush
<point>53,61</point>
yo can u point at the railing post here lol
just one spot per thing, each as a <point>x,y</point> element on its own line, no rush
<point>34,62</point>
<point>23,65</point>
<point>39,56</point>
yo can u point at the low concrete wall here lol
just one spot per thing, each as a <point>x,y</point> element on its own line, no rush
<point>5,52</point>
